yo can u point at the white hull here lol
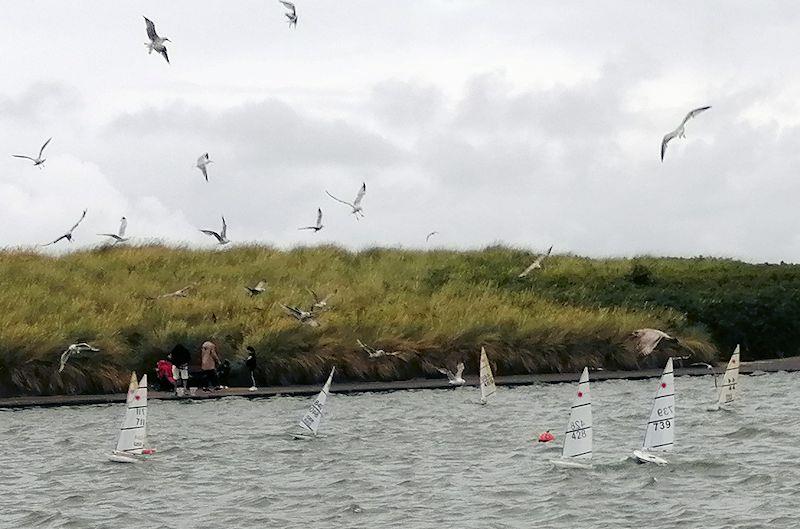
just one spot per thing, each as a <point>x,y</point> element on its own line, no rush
<point>568,463</point>
<point>299,436</point>
<point>123,457</point>
<point>647,457</point>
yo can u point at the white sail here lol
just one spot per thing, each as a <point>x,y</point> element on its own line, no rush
<point>488,388</point>
<point>727,392</point>
<point>660,433</point>
<point>578,437</point>
<point>133,433</point>
<point>313,417</point>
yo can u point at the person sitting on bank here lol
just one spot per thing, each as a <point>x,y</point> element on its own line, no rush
<point>209,361</point>
<point>181,357</point>
<point>251,364</point>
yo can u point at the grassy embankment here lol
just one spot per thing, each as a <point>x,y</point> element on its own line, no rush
<point>437,307</point>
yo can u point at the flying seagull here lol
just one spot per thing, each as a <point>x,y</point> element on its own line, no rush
<point>202,162</point>
<point>648,339</point>
<point>38,161</point>
<point>301,315</point>
<point>679,132</point>
<point>292,14</point>
<point>375,353</point>
<point>74,349</point>
<point>431,234</point>
<point>120,235</point>
<point>319,303</point>
<point>318,226</point>
<point>454,379</point>
<point>182,293</point>
<point>156,43</point>
<point>356,205</point>
<point>68,235</point>
<point>258,289</point>
<point>222,235</point>
<point>537,263</point>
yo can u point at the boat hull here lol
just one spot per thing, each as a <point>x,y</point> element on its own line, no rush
<point>646,457</point>
<point>567,463</point>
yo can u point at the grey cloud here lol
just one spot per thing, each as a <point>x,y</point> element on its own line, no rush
<point>40,102</point>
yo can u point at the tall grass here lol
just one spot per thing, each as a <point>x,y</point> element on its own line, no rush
<point>437,307</point>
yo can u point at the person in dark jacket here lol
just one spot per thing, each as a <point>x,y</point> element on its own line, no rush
<point>251,364</point>
<point>181,357</point>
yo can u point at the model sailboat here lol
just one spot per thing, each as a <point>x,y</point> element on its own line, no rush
<point>488,388</point>
<point>727,391</point>
<point>313,417</point>
<point>577,451</point>
<point>660,433</point>
<point>132,443</point>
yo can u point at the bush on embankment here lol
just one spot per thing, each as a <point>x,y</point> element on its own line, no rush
<point>437,307</point>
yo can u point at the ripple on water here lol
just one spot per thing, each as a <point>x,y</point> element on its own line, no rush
<point>412,459</point>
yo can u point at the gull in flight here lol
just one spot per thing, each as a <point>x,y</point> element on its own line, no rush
<point>648,339</point>
<point>301,315</point>
<point>454,379</point>
<point>680,131</point>
<point>356,205</point>
<point>431,234</point>
<point>74,349</point>
<point>319,303</point>
<point>537,263</point>
<point>258,289</point>
<point>182,293</point>
<point>38,161</point>
<point>156,43</point>
<point>120,235</point>
<point>375,353</point>
<point>202,162</point>
<point>222,235</point>
<point>292,14</point>
<point>318,226</point>
<point>68,235</point>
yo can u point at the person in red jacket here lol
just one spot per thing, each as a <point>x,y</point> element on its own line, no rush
<point>164,375</point>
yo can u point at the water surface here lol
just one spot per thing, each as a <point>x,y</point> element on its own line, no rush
<point>412,459</point>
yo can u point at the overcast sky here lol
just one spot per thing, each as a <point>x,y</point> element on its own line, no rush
<point>519,122</point>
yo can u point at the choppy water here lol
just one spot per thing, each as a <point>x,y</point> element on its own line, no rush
<point>412,459</point>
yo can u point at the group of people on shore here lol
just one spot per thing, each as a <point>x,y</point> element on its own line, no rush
<point>173,372</point>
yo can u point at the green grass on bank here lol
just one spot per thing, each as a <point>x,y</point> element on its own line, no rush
<point>438,307</point>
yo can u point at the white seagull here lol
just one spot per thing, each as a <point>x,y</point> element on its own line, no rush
<point>75,348</point>
<point>292,14</point>
<point>260,287</point>
<point>431,234</point>
<point>38,161</point>
<point>679,132</point>
<point>356,205</point>
<point>454,379</point>
<point>202,162</point>
<point>318,226</point>
<point>156,43</point>
<point>68,235</point>
<point>301,315</point>
<point>120,235</point>
<point>222,235</point>
<point>319,303</point>
<point>182,293</point>
<point>537,263</point>
<point>375,353</point>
